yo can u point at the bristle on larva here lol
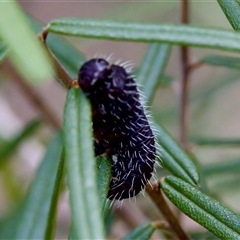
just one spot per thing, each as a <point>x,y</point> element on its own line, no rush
<point>121,128</point>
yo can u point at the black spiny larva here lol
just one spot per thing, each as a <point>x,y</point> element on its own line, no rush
<point>121,129</point>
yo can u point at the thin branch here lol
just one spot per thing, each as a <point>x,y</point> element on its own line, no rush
<point>194,66</point>
<point>33,96</point>
<point>184,51</point>
<point>61,72</point>
<point>157,197</point>
<point>161,225</point>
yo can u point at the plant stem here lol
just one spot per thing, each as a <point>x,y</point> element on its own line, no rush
<point>184,56</point>
<point>161,225</point>
<point>157,197</point>
<point>61,72</point>
<point>33,96</point>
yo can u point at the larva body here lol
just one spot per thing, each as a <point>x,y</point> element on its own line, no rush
<point>121,129</point>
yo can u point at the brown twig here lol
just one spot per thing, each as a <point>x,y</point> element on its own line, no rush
<point>157,197</point>
<point>161,225</point>
<point>32,95</point>
<point>29,91</point>
<point>184,81</point>
<point>61,72</point>
<point>194,66</point>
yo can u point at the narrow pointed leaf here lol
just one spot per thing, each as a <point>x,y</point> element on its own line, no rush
<point>175,159</point>
<point>9,148</point>
<point>108,217</point>
<point>214,141</point>
<point>148,32</point>
<point>208,212</point>
<point>3,51</point>
<point>152,68</point>
<point>229,166</point>
<point>103,174</point>
<point>69,56</point>
<point>81,168</point>
<point>37,218</point>
<point>173,166</point>
<point>25,50</point>
<point>223,61</point>
<point>143,232</point>
<point>231,10</point>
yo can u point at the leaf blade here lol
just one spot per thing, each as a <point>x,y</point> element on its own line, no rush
<point>9,148</point>
<point>69,56</point>
<point>25,51</point>
<point>175,158</point>
<point>153,67</point>
<point>223,61</point>
<point>104,174</point>
<point>3,52</point>
<point>231,10</point>
<point>148,32</point>
<point>208,212</point>
<point>42,197</point>
<point>81,168</point>
<point>143,232</point>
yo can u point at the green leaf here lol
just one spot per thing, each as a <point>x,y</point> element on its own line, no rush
<point>148,32</point>
<point>142,232</point>
<point>203,236</point>
<point>208,212</point>
<point>224,61</point>
<point>69,56</point>
<point>174,167</point>
<point>229,166</point>
<point>3,51</point>
<point>152,68</point>
<point>9,148</point>
<point>204,94</point>
<point>25,50</point>
<point>81,168</point>
<point>10,222</point>
<point>231,10</point>
<point>215,141</point>
<point>175,159</point>
<point>165,81</point>
<point>108,217</point>
<point>104,174</point>
<point>38,214</point>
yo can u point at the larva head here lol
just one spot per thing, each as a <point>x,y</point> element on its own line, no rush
<point>92,71</point>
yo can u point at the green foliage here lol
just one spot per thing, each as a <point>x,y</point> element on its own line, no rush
<point>35,217</point>
<point>8,148</point>
<point>223,61</point>
<point>104,174</point>
<point>152,68</point>
<point>87,176</point>
<point>80,162</point>
<point>142,232</point>
<point>148,32</point>
<point>3,51</point>
<point>175,159</point>
<point>231,10</point>
<point>25,51</point>
<point>203,209</point>
<point>61,49</point>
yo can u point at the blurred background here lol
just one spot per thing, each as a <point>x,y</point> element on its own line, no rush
<point>214,107</point>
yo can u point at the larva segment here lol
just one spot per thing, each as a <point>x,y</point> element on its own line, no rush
<point>120,126</point>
